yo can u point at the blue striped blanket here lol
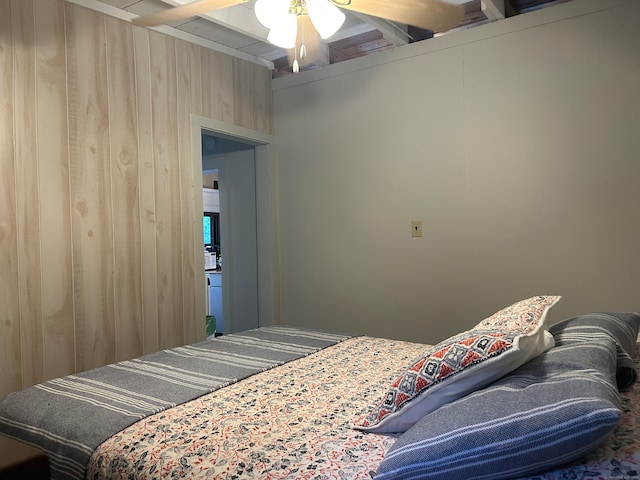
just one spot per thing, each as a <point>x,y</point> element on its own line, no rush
<point>69,417</point>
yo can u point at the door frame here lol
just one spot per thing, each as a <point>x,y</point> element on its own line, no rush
<point>266,217</point>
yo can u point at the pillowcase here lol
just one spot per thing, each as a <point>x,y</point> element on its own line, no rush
<point>622,327</point>
<point>552,410</point>
<point>463,363</point>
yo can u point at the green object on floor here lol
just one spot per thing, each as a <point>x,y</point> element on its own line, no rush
<point>211,325</point>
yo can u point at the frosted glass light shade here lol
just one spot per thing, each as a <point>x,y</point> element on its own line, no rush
<point>283,34</point>
<point>325,16</point>
<point>271,12</point>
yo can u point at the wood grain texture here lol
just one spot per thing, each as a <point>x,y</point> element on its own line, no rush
<point>167,180</point>
<point>262,96</point>
<point>97,194</point>
<point>148,268</point>
<point>217,86</point>
<point>28,199</point>
<point>189,101</point>
<point>252,98</point>
<point>123,136</point>
<point>10,376</point>
<point>242,98</point>
<point>92,217</point>
<point>252,95</point>
<point>53,168</point>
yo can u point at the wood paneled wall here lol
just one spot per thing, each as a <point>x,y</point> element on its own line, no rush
<point>96,184</point>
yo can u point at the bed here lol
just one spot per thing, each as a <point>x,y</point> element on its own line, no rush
<point>513,397</point>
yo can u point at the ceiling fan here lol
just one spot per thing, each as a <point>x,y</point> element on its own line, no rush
<point>298,25</point>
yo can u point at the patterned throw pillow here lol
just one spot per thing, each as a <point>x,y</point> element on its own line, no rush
<point>463,363</point>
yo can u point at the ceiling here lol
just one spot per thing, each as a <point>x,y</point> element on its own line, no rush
<point>236,28</point>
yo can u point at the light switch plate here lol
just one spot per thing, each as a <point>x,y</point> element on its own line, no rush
<point>416,228</point>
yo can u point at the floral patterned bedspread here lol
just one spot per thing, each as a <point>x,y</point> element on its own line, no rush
<point>294,422</point>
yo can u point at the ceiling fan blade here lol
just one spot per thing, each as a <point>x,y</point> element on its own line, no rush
<point>183,11</point>
<point>434,15</point>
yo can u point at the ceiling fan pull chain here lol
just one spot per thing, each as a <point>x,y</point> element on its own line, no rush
<point>303,50</point>
<point>296,66</point>
<point>303,47</point>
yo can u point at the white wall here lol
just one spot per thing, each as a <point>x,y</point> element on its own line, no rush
<point>518,146</point>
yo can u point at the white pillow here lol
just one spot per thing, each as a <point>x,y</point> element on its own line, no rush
<point>463,363</point>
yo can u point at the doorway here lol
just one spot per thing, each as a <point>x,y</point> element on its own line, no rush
<point>232,162</point>
<point>241,158</point>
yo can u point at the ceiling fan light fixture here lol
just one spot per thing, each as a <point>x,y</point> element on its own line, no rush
<point>270,12</point>
<point>283,34</point>
<point>325,16</point>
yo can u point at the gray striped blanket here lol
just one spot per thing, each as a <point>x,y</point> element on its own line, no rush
<point>69,417</point>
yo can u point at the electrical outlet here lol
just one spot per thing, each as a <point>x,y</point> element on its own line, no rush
<point>416,228</point>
